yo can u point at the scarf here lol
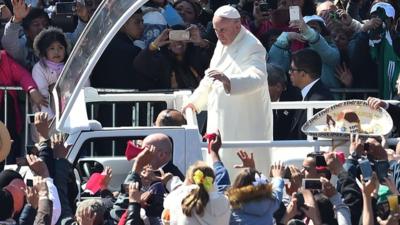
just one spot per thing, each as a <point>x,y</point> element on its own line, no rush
<point>57,67</point>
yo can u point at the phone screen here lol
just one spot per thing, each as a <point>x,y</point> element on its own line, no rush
<point>294,13</point>
<point>313,184</point>
<point>382,169</point>
<point>366,169</point>
<point>66,7</point>
<point>29,182</point>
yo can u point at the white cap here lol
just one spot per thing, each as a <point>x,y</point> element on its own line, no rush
<point>389,10</point>
<point>227,11</point>
<point>313,18</point>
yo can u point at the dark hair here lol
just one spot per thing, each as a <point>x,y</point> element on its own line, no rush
<point>275,75</point>
<point>7,204</point>
<point>196,7</point>
<point>309,61</point>
<point>265,37</point>
<point>309,8</point>
<point>325,209</point>
<point>198,198</point>
<point>49,37</point>
<point>34,13</point>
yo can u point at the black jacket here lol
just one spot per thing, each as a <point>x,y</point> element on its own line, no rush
<point>318,92</point>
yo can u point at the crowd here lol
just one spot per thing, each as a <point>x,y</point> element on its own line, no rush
<point>170,45</point>
<point>329,187</point>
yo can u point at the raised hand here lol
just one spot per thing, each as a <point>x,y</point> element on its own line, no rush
<point>247,160</point>
<point>42,124</point>
<point>59,150</point>
<point>344,74</point>
<point>37,166</point>
<point>134,192</point>
<point>20,10</point>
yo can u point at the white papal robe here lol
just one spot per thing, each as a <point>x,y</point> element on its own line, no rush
<point>245,113</point>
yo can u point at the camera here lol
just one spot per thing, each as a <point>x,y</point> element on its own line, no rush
<point>300,200</point>
<point>313,184</point>
<point>29,182</point>
<point>66,8</point>
<point>179,35</point>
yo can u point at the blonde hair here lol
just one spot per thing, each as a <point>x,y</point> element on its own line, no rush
<point>198,198</point>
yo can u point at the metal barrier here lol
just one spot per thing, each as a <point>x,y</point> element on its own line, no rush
<point>176,99</point>
<point>6,90</point>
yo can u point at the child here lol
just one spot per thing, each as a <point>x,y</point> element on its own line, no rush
<point>196,201</point>
<point>51,46</point>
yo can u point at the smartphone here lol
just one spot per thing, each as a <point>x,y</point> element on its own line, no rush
<point>294,13</point>
<point>320,159</point>
<point>31,118</point>
<point>66,7</point>
<point>383,210</point>
<point>29,182</point>
<point>179,35</point>
<point>366,169</point>
<point>21,161</point>
<point>300,200</point>
<point>313,184</point>
<point>124,188</point>
<point>381,169</point>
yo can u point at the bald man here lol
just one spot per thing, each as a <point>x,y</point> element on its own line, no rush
<point>163,154</point>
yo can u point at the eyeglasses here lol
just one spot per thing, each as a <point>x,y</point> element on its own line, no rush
<point>291,69</point>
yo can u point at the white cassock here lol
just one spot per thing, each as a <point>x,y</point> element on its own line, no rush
<point>245,113</point>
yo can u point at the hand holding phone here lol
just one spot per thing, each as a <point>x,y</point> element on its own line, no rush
<point>312,184</point>
<point>179,35</point>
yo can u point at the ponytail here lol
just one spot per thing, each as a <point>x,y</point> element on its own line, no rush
<point>203,176</point>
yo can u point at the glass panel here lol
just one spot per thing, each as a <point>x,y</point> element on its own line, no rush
<point>101,29</point>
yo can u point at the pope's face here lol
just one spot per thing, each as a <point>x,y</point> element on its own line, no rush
<point>226,29</point>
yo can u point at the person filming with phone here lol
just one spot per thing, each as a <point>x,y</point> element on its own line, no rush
<point>311,30</point>
<point>176,59</point>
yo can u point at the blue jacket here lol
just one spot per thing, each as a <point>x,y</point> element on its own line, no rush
<point>279,55</point>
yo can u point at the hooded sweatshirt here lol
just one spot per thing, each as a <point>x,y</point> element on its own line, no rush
<point>259,212</point>
<point>216,212</point>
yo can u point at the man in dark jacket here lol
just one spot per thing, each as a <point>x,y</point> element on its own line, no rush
<point>305,73</point>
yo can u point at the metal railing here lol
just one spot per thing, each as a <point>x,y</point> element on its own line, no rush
<point>175,100</point>
<point>6,90</point>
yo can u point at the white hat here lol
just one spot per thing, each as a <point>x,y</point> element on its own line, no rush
<point>389,10</point>
<point>313,18</point>
<point>227,11</point>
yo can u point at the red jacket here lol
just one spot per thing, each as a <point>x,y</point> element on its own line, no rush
<point>12,74</point>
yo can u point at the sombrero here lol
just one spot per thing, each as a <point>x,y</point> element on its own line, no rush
<point>353,116</point>
<point>5,142</point>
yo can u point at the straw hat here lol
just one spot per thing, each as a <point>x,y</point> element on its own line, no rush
<point>353,116</point>
<point>5,142</point>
